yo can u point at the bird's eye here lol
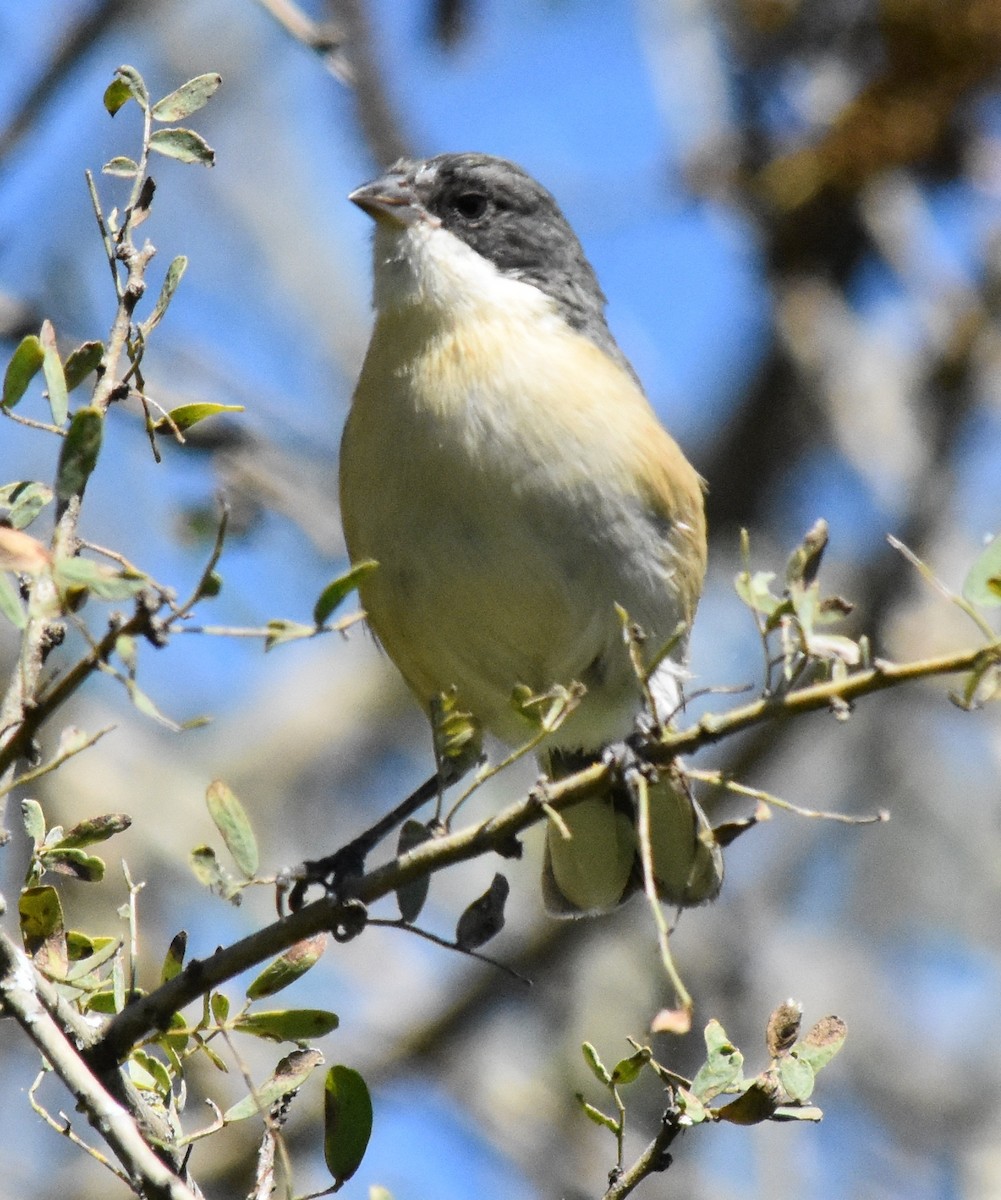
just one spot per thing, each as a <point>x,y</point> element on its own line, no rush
<point>470,205</point>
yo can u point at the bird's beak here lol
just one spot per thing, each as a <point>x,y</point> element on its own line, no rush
<point>391,198</point>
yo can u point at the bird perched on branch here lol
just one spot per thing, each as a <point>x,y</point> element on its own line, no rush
<point>503,466</point>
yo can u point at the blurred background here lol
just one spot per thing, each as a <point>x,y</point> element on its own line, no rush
<point>794,207</point>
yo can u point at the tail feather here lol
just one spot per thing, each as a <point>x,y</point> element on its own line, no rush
<point>598,866</point>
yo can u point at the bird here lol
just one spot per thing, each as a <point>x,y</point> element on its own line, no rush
<point>502,465</point>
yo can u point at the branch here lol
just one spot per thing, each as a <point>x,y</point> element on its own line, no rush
<point>344,917</point>
<point>883,675</point>
<point>653,1159</point>
<point>22,998</point>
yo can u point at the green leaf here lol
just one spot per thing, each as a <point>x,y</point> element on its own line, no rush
<point>456,734</point>
<point>175,273</point>
<point>23,502</point>
<point>88,868</point>
<point>411,896</point>
<point>290,1074</point>
<point>55,377</point>
<point>792,1112</point>
<point>797,1077</point>
<point>81,362</point>
<point>97,829</point>
<point>81,945</point>
<point>145,705</point>
<point>108,948</point>
<point>104,582</point>
<point>211,585</point>
<point>157,1076</point>
<point>184,145</point>
<point>753,1106</point>
<point>205,864</point>
<point>338,589</point>
<point>597,1116</point>
<point>287,967</point>
<point>122,166</point>
<point>24,365</point>
<point>10,604</point>
<point>173,1040</point>
<point>34,821</point>
<point>41,915</point>
<point>288,1025</point>
<point>79,452</point>
<point>219,1003</point>
<point>173,961</point>
<point>231,820</point>
<point>127,85</point>
<point>823,1041</point>
<point>107,1002</point>
<point>597,1067</point>
<point>627,1070</point>
<point>982,585</point>
<point>755,592</point>
<point>280,631</point>
<point>722,1067</point>
<point>347,1122</point>
<point>187,99</point>
<point>186,415</point>
<point>693,1110</point>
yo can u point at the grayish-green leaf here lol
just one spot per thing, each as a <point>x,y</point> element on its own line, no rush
<point>823,1041</point>
<point>55,377</point>
<point>88,868</point>
<point>34,821</point>
<point>122,166</point>
<point>205,864</point>
<point>183,144</point>
<point>982,585</point>
<point>175,273</point>
<point>797,1077</point>
<point>23,501</point>
<point>230,818</point>
<point>10,604</point>
<point>290,1074</point>
<point>722,1067</point>
<point>104,582</point>
<point>187,99</point>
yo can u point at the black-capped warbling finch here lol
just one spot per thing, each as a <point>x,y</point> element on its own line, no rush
<point>504,468</point>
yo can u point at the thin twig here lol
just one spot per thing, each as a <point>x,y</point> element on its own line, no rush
<point>19,998</point>
<point>495,834</point>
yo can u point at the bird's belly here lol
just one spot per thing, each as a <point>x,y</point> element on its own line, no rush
<point>482,589</point>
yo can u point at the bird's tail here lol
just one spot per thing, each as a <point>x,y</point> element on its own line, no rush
<point>599,866</point>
